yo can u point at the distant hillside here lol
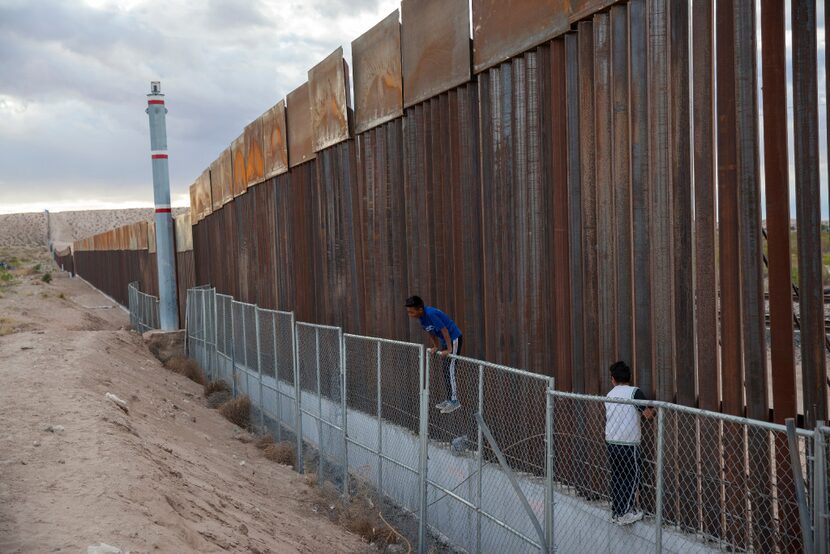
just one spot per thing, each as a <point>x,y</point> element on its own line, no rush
<point>30,229</point>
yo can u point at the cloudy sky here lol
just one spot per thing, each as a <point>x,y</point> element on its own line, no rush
<point>74,77</point>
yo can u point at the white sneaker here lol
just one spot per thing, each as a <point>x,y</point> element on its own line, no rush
<point>630,517</point>
<point>442,405</point>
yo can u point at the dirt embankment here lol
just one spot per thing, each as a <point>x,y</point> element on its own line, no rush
<point>171,475</point>
<point>32,229</point>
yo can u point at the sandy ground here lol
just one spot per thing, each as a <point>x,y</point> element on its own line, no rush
<point>167,477</point>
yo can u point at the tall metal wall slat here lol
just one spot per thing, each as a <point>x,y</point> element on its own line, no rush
<point>728,234</point>
<point>808,210</point>
<point>588,190</point>
<point>776,182</point>
<point>605,212</point>
<point>574,193</point>
<point>621,177</point>
<point>706,322</point>
<point>558,170</point>
<point>640,198</point>
<point>681,197</point>
<point>661,199</point>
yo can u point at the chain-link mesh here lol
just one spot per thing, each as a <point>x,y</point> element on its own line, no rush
<point>383,426</point>
<point>321,400</point>
<point>144,311</point>
<point>470,497</point>
<point>513,467</point>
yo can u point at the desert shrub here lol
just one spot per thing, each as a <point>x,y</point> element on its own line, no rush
<point>188,368</point>
<point>281,453</point>
<point>216,386</point>
<point>237,411</point>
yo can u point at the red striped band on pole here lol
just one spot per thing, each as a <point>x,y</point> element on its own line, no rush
<point>156,102</point>
<point>163,210</point>
<point>159,154</point>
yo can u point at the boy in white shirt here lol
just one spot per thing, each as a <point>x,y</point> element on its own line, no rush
<point>622,438</point>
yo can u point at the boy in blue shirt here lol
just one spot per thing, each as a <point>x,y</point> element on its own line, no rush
<point>446,338</point>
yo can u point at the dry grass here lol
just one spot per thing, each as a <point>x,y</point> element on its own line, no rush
<point>216,399</point>
<point>188,368</point>
<point>359,514</point>
<point>7,327</point>
<point>281,453</point>
<point>264,441</point>
<point>237,411</point>
<point>216,386</point>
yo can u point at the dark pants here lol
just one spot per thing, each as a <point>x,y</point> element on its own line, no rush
<point>624,466</point>
<point>449,370</point>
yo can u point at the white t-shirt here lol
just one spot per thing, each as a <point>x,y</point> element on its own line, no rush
<point>622,421</point>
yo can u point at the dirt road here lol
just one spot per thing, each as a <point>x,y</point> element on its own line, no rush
<point>170,476</point>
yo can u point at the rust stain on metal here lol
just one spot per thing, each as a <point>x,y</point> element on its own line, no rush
<point>254,166</point>
<point>142,235</point>
<point>151,237</point>
<point>329,97</point>
<point>239,173</point>
<point>378,80</point>
<point>275,147</point>
<point>194,210</point>
<point>504,28</point>
<point>435,47</point>
<point>204,205</point>
<point>298,125</point>
<point>184,234</point>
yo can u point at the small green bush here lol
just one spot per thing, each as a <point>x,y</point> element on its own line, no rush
<point>47,278</point>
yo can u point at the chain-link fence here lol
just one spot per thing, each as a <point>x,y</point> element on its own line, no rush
<point>200,327</point>
<point>463,455</point>
<point>144,309</point>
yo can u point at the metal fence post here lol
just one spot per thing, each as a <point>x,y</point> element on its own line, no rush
<point>380,423</point>
<point>298,415</point>
<point>277,395</point>
<point>798,483</point>
<point>549,501</point>
<point>233,353</point>
<point>658,517</point>
<point>423,429</point>
<point>345,407</point>
<point>204,329</point>
<point>320,448</point>
<point>259,370</point>
<point>820,523</point>
<point>480,458</point>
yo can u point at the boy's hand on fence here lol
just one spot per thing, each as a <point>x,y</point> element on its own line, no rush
<point>444,352</point>
<point>431,350</point>
<point>648,413</point>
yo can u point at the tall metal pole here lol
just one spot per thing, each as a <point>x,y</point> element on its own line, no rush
<point>168,303</point>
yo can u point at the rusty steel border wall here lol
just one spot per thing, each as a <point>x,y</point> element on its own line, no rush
<point>111,260</point>
<point>572,194</point>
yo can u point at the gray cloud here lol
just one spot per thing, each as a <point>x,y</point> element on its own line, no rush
<point>73,79</point>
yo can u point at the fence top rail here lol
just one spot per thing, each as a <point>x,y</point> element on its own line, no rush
<point>381,340</point>
<point>240,303</point>
<point>318,326</point>
<point>681,409</point>
<point>508,369</point>
<point>277,312</point>
<point>219,294</point>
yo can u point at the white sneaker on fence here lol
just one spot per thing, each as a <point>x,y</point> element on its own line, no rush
<point>442,405</point>
<point>630,517</point>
